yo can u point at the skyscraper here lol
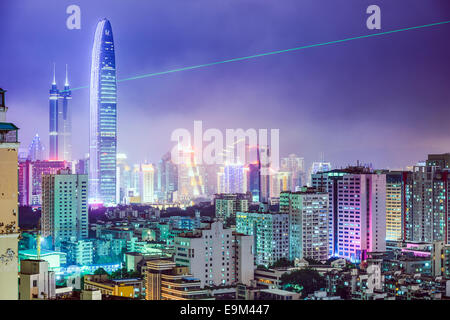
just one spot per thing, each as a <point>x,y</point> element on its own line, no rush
<point>53,119</point>
<point>60,121</point>
<point>233,179</point>
<point>296,166</point>
<point>103,118</point>
<point>167,178</point>
<point>394,204</point>
<point>146,183</point>
<point>65,123</point>
<point>36,149</point>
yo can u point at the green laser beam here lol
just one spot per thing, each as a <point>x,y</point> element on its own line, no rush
<point>148,75</point>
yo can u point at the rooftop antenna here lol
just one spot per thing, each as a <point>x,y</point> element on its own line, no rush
<point>67,77</point>
<point>54,74</point>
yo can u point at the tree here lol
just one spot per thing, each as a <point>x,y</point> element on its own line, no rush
<point>100,271</point>
<point>124,274</point>
<point>313,262</point>
<point>344,292</point>
<point>282,263</point>
<point>304,281</point>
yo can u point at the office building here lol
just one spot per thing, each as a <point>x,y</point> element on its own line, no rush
<point>103,118</point>
<point>36,150</point>
<point>60,121</point>
<point>427,201</point>
<point>167,181</point>
<point>147,183</point>
<point>296,167</point>
<point>65,122</point>
<point>232,179</point>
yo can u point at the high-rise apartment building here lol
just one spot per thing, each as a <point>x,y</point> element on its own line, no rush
<point>226,205</point>
<point>308,223</point>
<point>232,178</point>
<point>394,205</point>
<point>426,201</point>
<point>216,255</point>
<point>270,233</point>
<point>9,212</point>
<point>318,166</point>
<point>103,118</point>
<point>64,207</point>
<point>357,211</point>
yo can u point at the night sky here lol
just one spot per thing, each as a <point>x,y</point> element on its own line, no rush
<point>384,100</point>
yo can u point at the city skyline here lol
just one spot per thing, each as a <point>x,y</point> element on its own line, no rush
<point>329,84</point>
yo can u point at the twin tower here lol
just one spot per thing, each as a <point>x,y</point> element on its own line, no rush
<point>103,119</point>
<point>60,129</point>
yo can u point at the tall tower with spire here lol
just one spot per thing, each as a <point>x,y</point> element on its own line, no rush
<point>53,119</point>
<point>60,121</point>
<point>103,118</point>
<point>65,123</point>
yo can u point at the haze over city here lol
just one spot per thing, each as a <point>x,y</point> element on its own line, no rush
<point>351,101</point>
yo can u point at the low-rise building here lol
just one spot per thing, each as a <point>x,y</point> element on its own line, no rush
<point>166,281</point>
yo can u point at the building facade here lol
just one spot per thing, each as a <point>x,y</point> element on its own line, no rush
<point>357,211</point>
<point>64,207</point>
<point>270,232</point>
<point>216,255</point>
<point>308,223</point>
<point>9,211</point>
<point>103,117</point>
<point>167,281</point>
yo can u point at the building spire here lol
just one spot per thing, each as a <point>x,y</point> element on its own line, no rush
<point>66,84</point>
<point>54,74</point>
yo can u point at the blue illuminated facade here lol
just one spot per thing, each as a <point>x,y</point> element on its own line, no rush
<point>103,118</point>
<point>53,120</point>
<point>60,122</point>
